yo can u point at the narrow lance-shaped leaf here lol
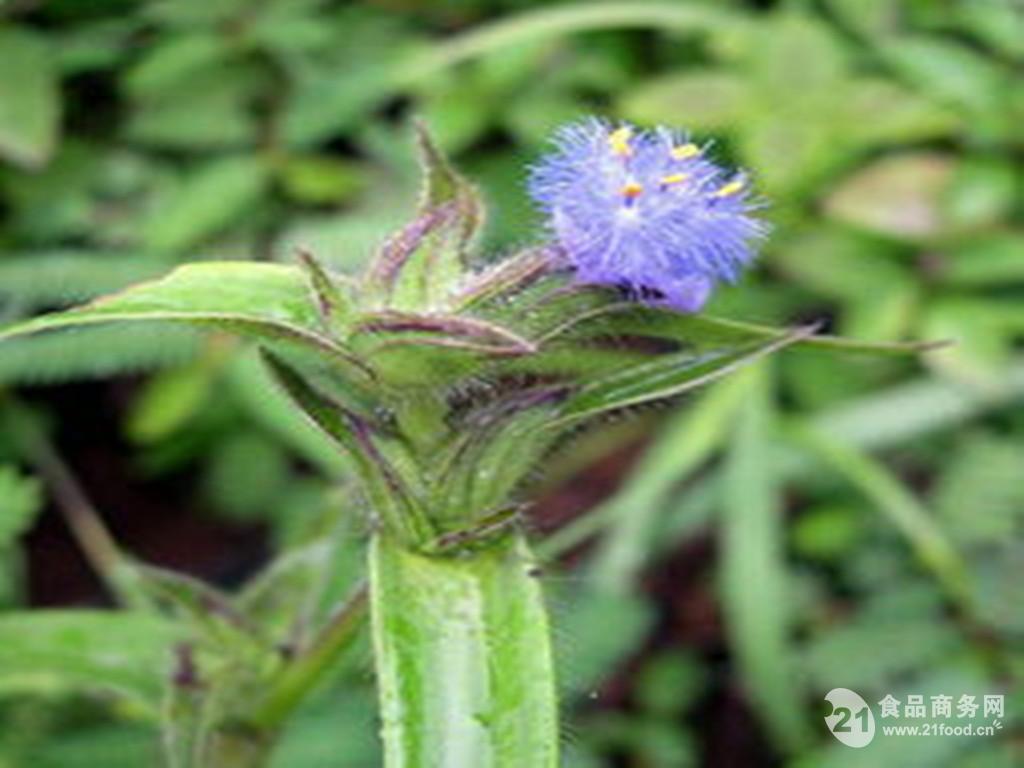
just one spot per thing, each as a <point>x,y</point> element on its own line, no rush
<point>442,183</point>
<point>503,279</point>
<point>334,307</point>
<point>754,579</point>
<point>29,98</point>
<point>667,376</point>
<point>419,350</point>
<point>281,598</point>
<point>125,653</point>
<point>929,542</point>
<point>421,265</point>
<point>682,444</point>
<point>382,484</point>
<point>269,302</point>
<point>406,328</point>
<point>210,613</point>
<point>605,318</point>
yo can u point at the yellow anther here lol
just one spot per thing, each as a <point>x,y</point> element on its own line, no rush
<point>632,190</point>
<point>618,140</point>
<point>729,189</point>
<point>685,151</point>
<point>674,178</point>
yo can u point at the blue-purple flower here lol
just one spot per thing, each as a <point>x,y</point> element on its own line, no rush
<point>645,210</point>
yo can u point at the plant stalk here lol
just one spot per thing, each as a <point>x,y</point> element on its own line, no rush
<point>463,657</point>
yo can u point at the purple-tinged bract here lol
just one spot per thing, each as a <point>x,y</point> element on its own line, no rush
<point>645,210</point>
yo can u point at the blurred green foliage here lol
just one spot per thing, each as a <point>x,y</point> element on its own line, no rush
<point>866,515</point>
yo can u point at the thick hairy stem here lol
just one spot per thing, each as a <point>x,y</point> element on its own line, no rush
<point>463,658</point>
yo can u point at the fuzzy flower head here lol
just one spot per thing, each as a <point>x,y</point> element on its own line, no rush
<point>645,211</point>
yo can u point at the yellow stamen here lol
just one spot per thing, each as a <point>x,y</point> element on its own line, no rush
<point>632,190</point>
<point>618,140</point>
<point>674,178</point>
<point>685,151</point>
<point>729,189</point>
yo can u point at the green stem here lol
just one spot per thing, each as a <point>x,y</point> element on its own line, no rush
<point>546,23</point>
<point>463,658</point>
<point>83,520</point>
<point>290,688</point>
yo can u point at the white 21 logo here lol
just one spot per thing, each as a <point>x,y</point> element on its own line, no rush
<point>851,720</point>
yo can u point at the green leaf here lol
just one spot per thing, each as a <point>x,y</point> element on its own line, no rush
<point>328,97</point>
<point>421,265</point>
<point>870,651</point>
<point>252,387</point>
<point>332,302</point>
<point>206,200</point>
<point>981,333</point>
<point>48,278</point>
<point>949,71</point>
<point>870,18</point>
<point>423,350</point>
<point>267,301</point>
<point>62,651</point>
<point>557,21</point>
<point>29,99</point>
<point>95,352</point>
<point>498,446</point>
<point>841,264</point>
<point>979,497</point>
<point>505,278</point>
<point>168,62</point>
<point>583,667</point>
<point>753,572</point>
<point>701,100</point>
<point>463,659</point>
<point>707,333</point>
<point>382,484</point>
<point>878,111</point>
<point>459,112</point>
<point>998,23</point>
<point>669,683</point>
<point>222,95</point>
<point>790,152</point>
<point>256,457</point>
<point>21,500</point>
<point>444,331</point>
<point>896,503</point>
<point>778,58</point>
<point>828,533</point>
<point>983,191</point>
<point>681,446</point>
<point>321,179</point>
<point>208,612</point>
<point>667,375</point>
<point>168,401</point>
<point>281,598</point>
<point>899,195</point>
<point>992,259</point>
